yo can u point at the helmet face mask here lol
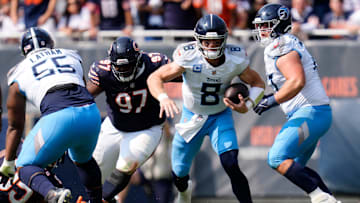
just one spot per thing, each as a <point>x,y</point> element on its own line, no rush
<point>211,27</point>
<point>271,21</point>
<point>264,31</point>
<point>35,38</point>
<point>124,55</point>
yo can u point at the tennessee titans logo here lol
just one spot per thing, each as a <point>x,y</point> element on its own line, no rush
<point>283,13</point>
<point>197,68</point>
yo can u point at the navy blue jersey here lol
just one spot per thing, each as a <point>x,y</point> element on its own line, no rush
<point>130,106</point>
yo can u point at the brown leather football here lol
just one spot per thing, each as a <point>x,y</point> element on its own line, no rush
<point>234,89</point>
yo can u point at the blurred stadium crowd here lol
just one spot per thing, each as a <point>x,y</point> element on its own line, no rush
<point>85,19</point>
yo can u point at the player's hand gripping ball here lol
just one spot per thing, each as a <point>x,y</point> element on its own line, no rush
<point>234,89</point>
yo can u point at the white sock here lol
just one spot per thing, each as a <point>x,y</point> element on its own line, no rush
<point>315,193</point>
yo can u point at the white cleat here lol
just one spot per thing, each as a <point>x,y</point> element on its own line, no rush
<point>185,197</point>
<point>324,198</point>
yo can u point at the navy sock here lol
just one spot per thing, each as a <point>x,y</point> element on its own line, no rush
<point>180,183</point>
<point>315,175</point>
<point>239,182</point>
<point>115,184</point>
<point>90,176</point>
<point>34,177</point>
<point>298,175</point>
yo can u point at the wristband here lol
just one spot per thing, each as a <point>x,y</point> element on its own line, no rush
<point>162,96</point>
<point>255,95</point>
<point>272,101</point>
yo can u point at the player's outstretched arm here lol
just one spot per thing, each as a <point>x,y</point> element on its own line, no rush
<point>16,104</point>
<point>156,82</point>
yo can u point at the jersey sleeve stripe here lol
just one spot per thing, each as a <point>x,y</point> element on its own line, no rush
<point>95,82</point>
<point>107,68</point>
<point>93,73</point>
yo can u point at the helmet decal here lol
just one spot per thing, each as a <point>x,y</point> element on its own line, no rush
<point>283,13</point>
<point>136,47</point>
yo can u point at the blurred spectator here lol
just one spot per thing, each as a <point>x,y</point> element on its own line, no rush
<point>226,9</point>
<point>354,23</point>
<point>321,7</point>
<point>180,14</point>
<point>36,13</point>
<point>116,15</point>
<point>6,24</point>
<point>242,9</point>
<point>150,14</point>
<point>255,6</point>
<point>75,19</point>
<point>351,5</point>
<point>338,18</point>
<point>304,18</point>
<point>286,3</point>
<point>94,9</point>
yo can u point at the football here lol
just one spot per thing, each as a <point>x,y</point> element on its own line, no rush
<point>234,89</point>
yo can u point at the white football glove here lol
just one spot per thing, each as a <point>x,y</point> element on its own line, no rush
<point>8,168</point>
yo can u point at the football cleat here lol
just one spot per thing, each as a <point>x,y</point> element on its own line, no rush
<point>324,198</point>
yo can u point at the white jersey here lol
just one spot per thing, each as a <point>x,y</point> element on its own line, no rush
<point>313,93</point>
<point>45,68</point>
<point>204,85</point>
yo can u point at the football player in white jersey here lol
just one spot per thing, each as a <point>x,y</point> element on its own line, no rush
<point>51,79</point>
<point>207,65</point>
<point>292,73</point>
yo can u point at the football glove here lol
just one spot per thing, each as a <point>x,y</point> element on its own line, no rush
<point>8,168</point>
<point>266,103</point>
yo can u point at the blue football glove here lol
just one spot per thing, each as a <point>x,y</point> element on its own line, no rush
<point>266,103</point>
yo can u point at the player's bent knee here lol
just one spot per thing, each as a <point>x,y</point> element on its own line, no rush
<point>229,159</point>
<point>28,173</point>
<point>274,161</point>
<point>128,168</point>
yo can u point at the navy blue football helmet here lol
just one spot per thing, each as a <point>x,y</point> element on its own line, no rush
<point>208,27</point>
<point>35,38</point>
<point>273,19</point>
<point>124,55</point>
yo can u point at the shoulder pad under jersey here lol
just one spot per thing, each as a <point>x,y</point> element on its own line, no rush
<point>185,52</point>
<point>282,45</point>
